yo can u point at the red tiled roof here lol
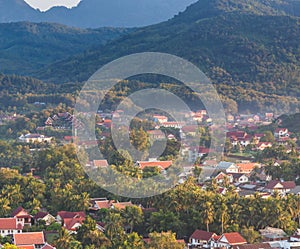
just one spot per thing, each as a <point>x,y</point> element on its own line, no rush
<point>71,218</point>
<point>40,215</point>
<point>47,246</point>
<point>31,238</point>
<point>254,246</point>
<point>70,222</point>
<point>122,205</point>
<point>246,167</point>
<point>204,150</point>
<point>200,149</point>
<point>104,204</point>
<point>10,224</point>
<point>160,164</point>
<point>202,235</point>
<point>289,184</point>
<point>220,176</point>
<point>66,214</point>
<point>236,134</point>
<point>286,185</point>
<point>17,211</point>
<point>100,163</point>
<point>234,238</point>
<point>216,237</point>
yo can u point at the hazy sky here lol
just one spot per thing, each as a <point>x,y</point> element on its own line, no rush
<point>44,5</point>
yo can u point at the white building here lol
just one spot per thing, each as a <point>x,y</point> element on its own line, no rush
<point>33,138</point>
<point>10,226</point>
<point>228,167</point>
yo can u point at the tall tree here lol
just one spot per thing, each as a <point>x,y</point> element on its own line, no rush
<point>133,216</point>
<point>207,214</point>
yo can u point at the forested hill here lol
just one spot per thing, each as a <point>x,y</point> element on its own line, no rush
<point>210,8</point>
<point>96,13</point>
<point>231,46</point>
<point>25,46</point>
<point>250,50</point>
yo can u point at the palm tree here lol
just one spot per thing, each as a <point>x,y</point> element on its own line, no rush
<point>5,207</point>
<point>133,240</point>
<point>207,214</point>
<point>114,225</point>
<point>64,240</point>
<point>13,194</point>
<point>223,214</point>
<point>98,239</point>
<point>293,207</point>
<point>133,216</point>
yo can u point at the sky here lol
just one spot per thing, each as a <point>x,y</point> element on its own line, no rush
<point>44,5</point>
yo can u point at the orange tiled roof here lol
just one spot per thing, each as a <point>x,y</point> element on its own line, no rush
<point>104,204</point>
<point>26,247</point>
<point>122,205</point>
<point>160,164</point>
<point>246,167</point>
<point>100,163</point>
<point>234,238</point>
<point>31,238</point>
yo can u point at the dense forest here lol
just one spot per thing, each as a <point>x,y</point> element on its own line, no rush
<point>187,207</point>
<point>250,51</point>
<point>26,47</point>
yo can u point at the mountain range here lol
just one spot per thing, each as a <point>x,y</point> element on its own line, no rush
<point>96,13</point>
<point>27,47</point>
<point>249,49</point>
<point>247,42</point>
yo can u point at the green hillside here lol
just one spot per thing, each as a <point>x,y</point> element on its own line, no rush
<point>291,122</point>
<point>250,50</point>
<point>25,47</point>
<point>249,40</point>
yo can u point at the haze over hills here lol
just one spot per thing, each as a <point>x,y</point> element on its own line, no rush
<point>25,47</point>
<point>96,13</point>
<point>253,46</point>
<point>250,50</point>
<point>245,43</point>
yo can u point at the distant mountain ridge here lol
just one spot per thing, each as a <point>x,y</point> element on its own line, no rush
<point>250,50</point>
<point>210,33</point>
<point>96,13</point>
<point>26,47</point>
